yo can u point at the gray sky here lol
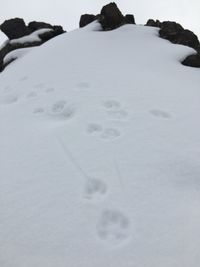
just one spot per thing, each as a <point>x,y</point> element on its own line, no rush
<point>67,13</point>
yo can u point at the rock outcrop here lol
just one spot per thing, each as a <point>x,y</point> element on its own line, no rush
<point>15,29</point>
<point>86,19</point>
<point>129,19</point>
<point>192,61</point>
<point>176,34</point>
<point>110,18</point>
<point>153,23</point>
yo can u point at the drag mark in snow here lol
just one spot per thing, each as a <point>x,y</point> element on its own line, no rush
<point>160,113</point>
<point>94,189</point>
<point>113,227</point>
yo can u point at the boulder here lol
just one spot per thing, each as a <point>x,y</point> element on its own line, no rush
<point>111,17</point>
<point>129,19</point>
<point>14,28</point>
<point>86,19</point>
<point>57,30</point>
<point>36,25</point>
<point>153,23</point>
<point>192,61</point>
<point>175,33</point>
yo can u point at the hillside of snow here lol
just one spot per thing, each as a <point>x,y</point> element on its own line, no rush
<point>99,162</point>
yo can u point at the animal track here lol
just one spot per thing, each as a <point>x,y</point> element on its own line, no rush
<point>60,109</point>
<point>39,85</point>
<point>10,99</point>
<point>94,128</point>
<point>112,105</point>
<point>114,110</point>
<point>50,90</point>
<point>95,188</point>
<point>31,94</point>
<point>38,110</point>
<point>83,85</point>
<point>113,227</point>
<point>110,133</point>
<point>160,113</point>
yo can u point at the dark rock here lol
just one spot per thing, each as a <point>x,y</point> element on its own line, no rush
<point>86,19</point>
<point>192,61</point>
<point>175,33</point>
<point>153,23</point>
<point>35,25</point>
<point>14,28</point>
<point>129,19</point>
<point>57,30</point>
<point>111,17</point>
<point>1,63</point>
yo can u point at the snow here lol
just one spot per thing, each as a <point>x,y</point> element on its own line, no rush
<point>99,162</point>
<point>16,54</point>
<point>31,38</point>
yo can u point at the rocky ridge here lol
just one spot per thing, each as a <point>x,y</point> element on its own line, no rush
<point>110,18</point>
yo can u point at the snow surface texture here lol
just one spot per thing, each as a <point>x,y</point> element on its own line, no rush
<point>100,153</point>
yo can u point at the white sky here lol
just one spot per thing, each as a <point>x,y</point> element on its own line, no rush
<point>67,13</point>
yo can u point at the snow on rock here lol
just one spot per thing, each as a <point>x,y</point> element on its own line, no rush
<point>31,38</point>
<point>99,162</point>
<point>16,54</point>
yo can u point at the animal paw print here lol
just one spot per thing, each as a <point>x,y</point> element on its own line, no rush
<point>106,134</point>
<point>39,85</point>
<point>160,113</point>
<point>113,227</point>
<point>10,99</point>
<point>114,110</point>
<point>61,110</point>
<point>32,95</point>
<point>112,105</point>
<point>83,85</point>
<point>38,111</point>
<point>94,128</point>
<point>50,90</point>
<point>95,189</point>
<point>110,133</point>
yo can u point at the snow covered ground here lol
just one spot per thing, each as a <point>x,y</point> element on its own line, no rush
<point>99,162</point>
